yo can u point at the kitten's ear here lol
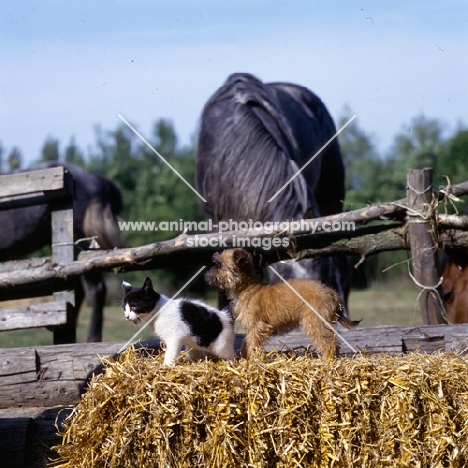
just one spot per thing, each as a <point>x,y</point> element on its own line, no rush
<point>126,286</point>
<point>148,284</point>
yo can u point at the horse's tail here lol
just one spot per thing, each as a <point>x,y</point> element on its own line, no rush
<point>243,136</point>
<point>101,222</point>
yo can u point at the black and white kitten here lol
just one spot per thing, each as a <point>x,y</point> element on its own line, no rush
<point>181,322</point>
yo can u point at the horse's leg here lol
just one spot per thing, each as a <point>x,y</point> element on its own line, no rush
<point>79,295</point>
<point>336,273</point>
<point>96,295</point>
<point>343,273</point>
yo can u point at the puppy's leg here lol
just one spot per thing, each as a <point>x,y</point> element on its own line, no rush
<point>322,336</point>
<point>173,349</point>
<point>255,338</point>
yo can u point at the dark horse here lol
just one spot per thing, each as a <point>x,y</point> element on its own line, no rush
<point>96,206</point>
<point>253,138</point>
<point>455,284</point>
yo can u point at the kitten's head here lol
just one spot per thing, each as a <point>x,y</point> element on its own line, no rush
<point>139,301</point>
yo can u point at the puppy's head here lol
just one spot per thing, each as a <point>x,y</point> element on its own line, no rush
<point>232,268</point>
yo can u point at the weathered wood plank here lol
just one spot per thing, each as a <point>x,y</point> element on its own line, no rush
<point>34,315</point>
<point>35,182</point>
<point>40,289</point>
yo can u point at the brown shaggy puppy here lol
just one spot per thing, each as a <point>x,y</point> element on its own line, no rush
<point>265,309</point>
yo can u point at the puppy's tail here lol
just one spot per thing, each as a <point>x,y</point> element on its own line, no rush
<point>346,322</point>
<point>349,324</point>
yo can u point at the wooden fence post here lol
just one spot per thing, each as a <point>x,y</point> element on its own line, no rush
<point>63,253</point>
<point>421,235</point>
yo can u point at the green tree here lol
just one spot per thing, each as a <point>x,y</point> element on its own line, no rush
<point>151,190</point>
<point>453,164</point>
<point>73,155</point>
<point>15,159</point>
<point>50,150</point>
<point>419,145</point>
<point>362,164</point>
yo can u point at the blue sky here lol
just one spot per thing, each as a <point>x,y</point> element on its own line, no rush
<point>67,66</point>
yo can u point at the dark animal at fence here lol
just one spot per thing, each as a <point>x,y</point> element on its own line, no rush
<point>96,206</point>
<point>455,284</point>
<point>253,139</point>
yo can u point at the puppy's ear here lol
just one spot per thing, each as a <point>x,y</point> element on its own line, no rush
<point>241,257</point>
<point>215,257</point>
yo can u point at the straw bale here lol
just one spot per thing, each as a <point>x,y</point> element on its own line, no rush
<point>278,410</point>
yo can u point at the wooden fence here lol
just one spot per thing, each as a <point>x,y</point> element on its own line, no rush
<point>54,187</point>
<point>40,384</point>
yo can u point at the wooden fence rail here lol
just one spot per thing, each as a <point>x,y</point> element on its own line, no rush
<point>387,235</point>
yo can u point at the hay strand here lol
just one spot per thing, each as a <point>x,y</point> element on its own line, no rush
<point>277,410</point>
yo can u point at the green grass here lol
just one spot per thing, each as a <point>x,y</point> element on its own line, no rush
<point>395,305</point>
<point>392,305</point>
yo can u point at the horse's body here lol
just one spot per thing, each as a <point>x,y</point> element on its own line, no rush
<point>455,284</point>
<point>96,205</point>
<point>253,138</point>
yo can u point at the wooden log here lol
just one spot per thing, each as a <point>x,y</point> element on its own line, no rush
<point>422,240</point>
<point>364,242</point>
<point>44,288</point>
<point>48,274</point>
<point>33,448</point>
<point>388,339</point>
<point>15,438</point>
<point>51,375</point>
<point>35,315</point>
<point>457,190</point>
<point>175,252</point>
<point>58,375</point>
<point>452,222</point>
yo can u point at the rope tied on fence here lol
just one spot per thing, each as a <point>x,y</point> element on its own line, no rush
<point>419,192</point>
<point>449,197</point>
<point>434,289</point>
<point>92,240</point>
